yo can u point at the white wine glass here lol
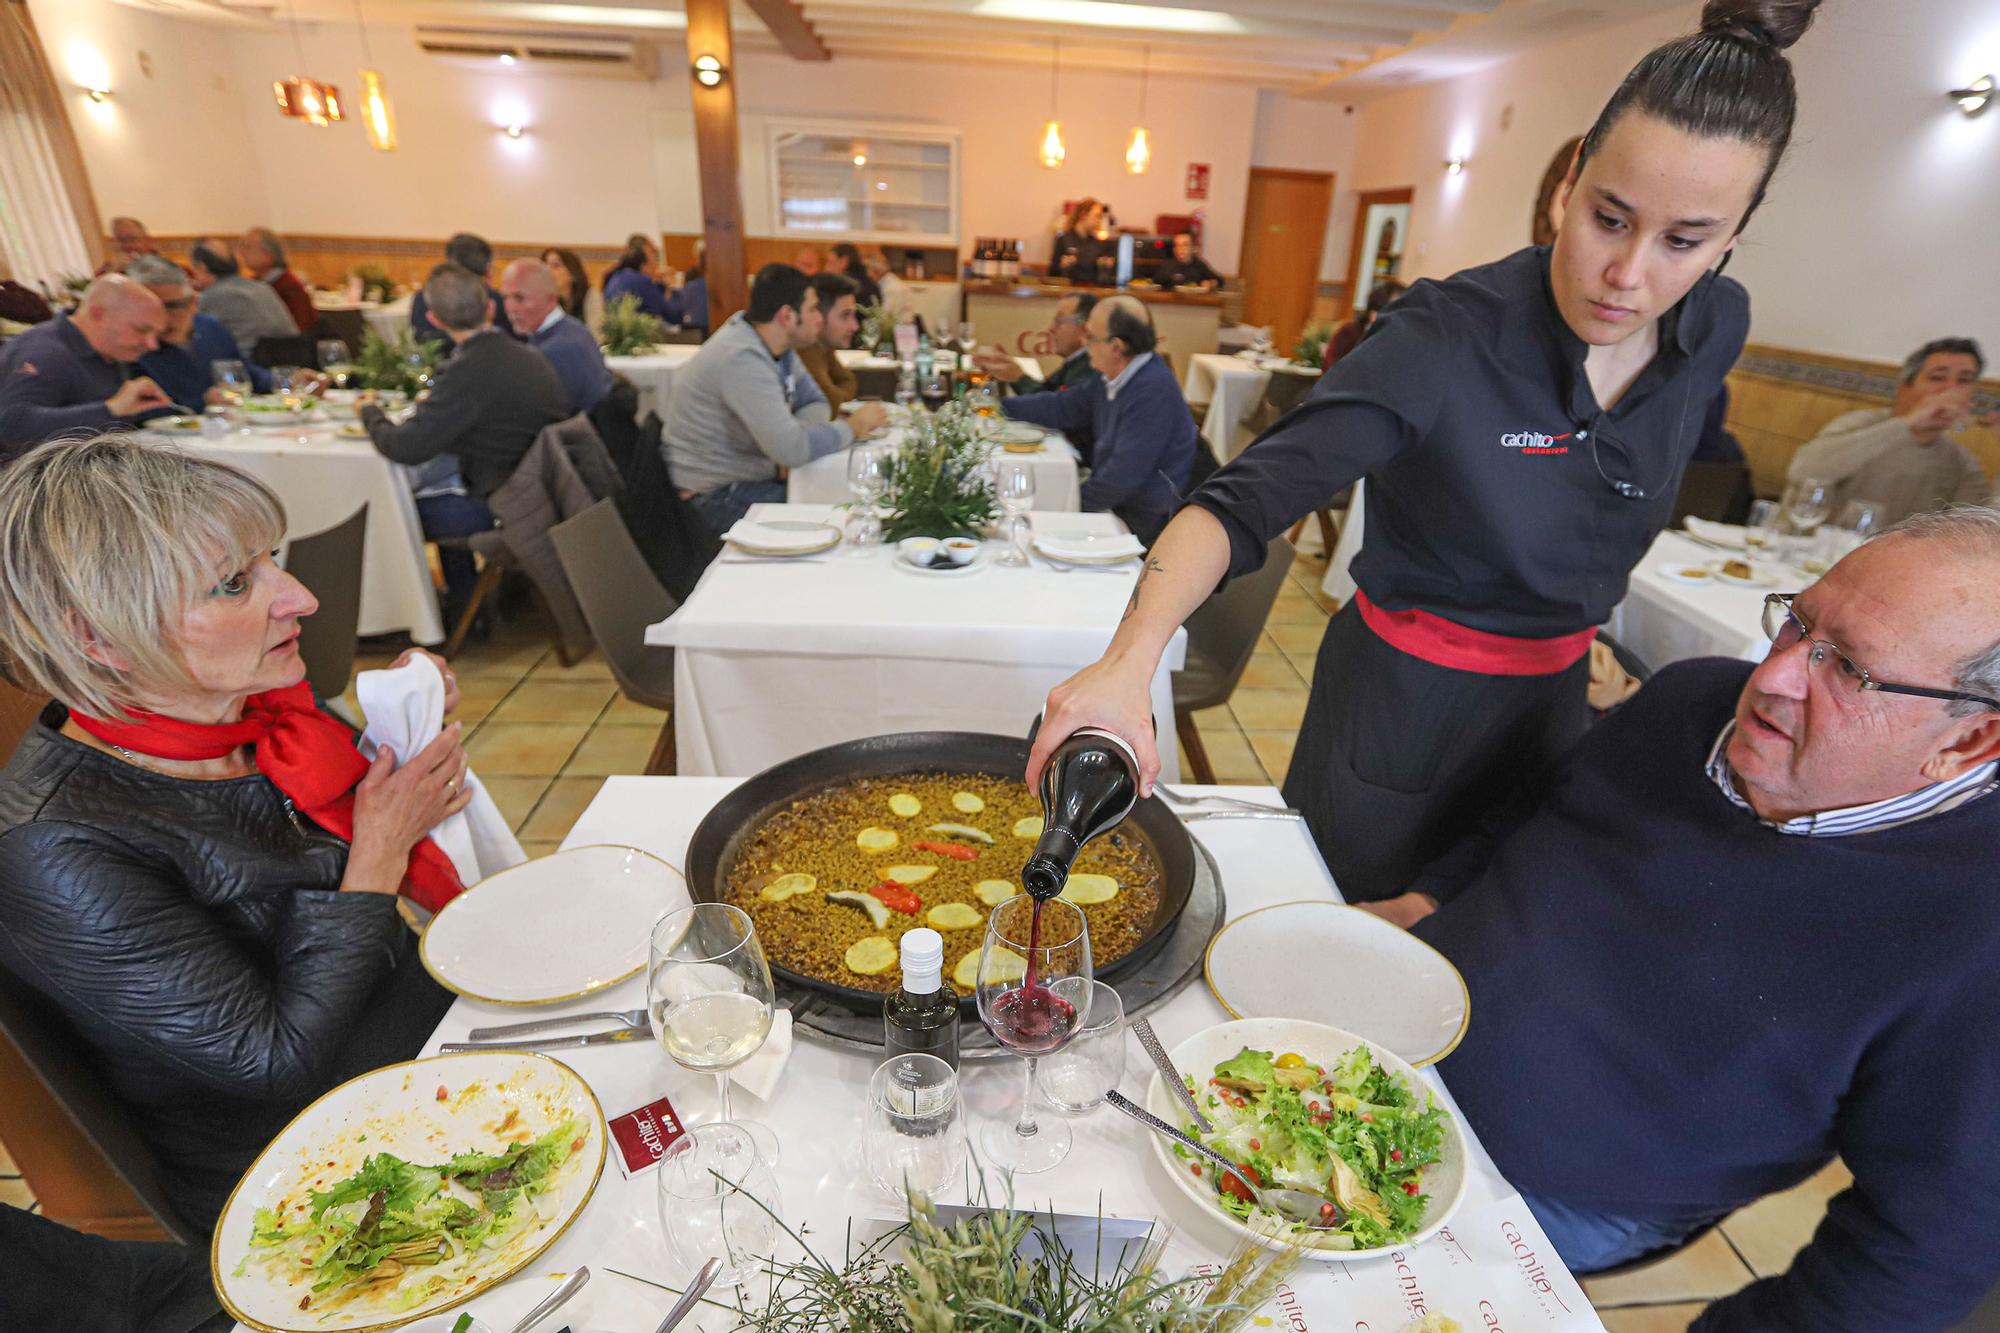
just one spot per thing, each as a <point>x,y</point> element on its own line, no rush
<point>1014,486</point>
<point>1758,533</point>
<point>233,378</point>
<point>1812,502</point>
<point>1033,989</point>
<point>867,478</point>
<point>710,997</point>
<point>336,361</point>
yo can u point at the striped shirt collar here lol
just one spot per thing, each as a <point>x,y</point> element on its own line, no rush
<point>1871,818</point>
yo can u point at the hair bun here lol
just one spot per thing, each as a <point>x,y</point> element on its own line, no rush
<point>1772,25</point>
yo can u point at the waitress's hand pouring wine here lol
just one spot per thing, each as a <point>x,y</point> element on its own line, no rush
<point>1114,693</point>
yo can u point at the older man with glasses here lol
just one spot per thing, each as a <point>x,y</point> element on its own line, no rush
<point>1751,925</point>
<point>183,365</point>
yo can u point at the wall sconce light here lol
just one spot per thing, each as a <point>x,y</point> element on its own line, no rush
<point>98,95</point>
<point>514,131</point>
<point>708,71</point>
<point>506,57</point>
<point>1974,97</point>
<point>1454,166</point>
<point>861,159</point>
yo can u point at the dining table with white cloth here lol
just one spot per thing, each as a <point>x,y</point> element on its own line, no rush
<point>1058,484</point>
<point>1663,619</point>
<point>323,477</point>
<point>1490,1267</point>
<point>777,657</point>
<point>652,374</point>
<point>1232,386</point>
<point>387,319</point>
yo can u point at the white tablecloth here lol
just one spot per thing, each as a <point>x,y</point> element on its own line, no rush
<point>653,374</point>
<point>856,359</point>
<point>387,321</point>
<point>322,479</point>
<point>1662,620</point>
<point>1057,487</point>
<point>1232,386</point>
<point>776,658</point>
<point>1493,1262</point>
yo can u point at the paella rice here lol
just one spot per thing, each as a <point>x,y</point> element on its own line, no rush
<point>972,832</point>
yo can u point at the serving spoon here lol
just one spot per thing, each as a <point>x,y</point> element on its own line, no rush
<point>1300,1206</point>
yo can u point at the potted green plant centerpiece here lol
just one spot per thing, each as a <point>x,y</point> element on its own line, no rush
<point>1312,345</point>
<point>938,484</point>
<point>375,284</point>
<point>629,331</point>
<point>878,331</point>
<point>402,366</point>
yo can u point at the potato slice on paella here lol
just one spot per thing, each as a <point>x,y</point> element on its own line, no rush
<point>1029,828</point>
<point>993,892</point>
<point>785,886</point>
<point>909,874</point>
<point>967,803</point>
<point>1084,890</point>
<point>875,839</point>
<point>905,806</point>
<point>873,955</point>
<point>1008,966</point>
<point>954,916</point>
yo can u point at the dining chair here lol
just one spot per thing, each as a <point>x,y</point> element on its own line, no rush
<point>77,1147</point>
<point>346,325</point>
<point>18,710</point>
<point>1222,633</point>
<point>329,564</point>
<point>295,349</point>
<point>620,598</point>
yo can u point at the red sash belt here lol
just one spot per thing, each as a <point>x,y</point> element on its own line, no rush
<point>1438,641</point>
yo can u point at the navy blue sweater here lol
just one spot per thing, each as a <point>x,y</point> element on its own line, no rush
<point>1677,1010</point>
<point>186,370</point>
<point>1144,442</point>
<point>53,383</point>
<point>578,360</point>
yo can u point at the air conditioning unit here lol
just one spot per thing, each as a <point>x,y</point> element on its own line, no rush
<point>554,52</point>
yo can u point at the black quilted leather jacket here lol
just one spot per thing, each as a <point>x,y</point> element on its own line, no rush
<point>194,935</point>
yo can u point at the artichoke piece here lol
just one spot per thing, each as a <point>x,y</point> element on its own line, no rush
<point>963,832</point>
<point>877,913</point>
<point>1351,1194</point>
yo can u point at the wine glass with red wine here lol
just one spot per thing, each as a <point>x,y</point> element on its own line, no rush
<point>1034,995</point>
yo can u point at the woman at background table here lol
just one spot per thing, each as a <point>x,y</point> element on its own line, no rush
<point>637,275</point>
<point>578,297</point>
<point>1523,427</point>
<point>198,869</point>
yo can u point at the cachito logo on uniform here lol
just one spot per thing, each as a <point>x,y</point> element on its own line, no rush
<point>1534,442</point>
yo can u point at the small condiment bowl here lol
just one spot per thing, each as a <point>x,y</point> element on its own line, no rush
<point>918,550</point>
<point>960,550</point>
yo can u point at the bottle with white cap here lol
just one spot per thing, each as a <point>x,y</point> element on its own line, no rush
<point>921,1017</point>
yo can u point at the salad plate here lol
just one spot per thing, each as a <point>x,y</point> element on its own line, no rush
<point>481,1161</point>
<point>1271,1072</point>
<point>555,928</point>
<point>1368,977</point>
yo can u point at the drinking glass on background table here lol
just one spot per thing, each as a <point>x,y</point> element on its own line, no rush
<point>867,478</point>
<point>1033,991</point>
<point>965,341</point>
<point>718,1198</point>
<point>1856,524</point>
<point>233,378</point>
<point>336,361</point>
<point>1762,528</point>
<point>710,997</point>
<point>1014,487</point>
<point>1811,502</point>
<point>1076,1077</point>
<point>915,1138</point>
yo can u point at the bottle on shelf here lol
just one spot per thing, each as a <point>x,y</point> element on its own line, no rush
<point>925,359</point>
<point>921,1016</point>
<point>1089,785</point>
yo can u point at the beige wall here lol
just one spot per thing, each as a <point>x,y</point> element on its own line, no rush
<point>1298,134</point>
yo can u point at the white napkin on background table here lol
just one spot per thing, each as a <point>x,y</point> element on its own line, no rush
<point>405,711</point>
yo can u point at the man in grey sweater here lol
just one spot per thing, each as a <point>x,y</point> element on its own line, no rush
<point>1898,457</point>
<point>744,407</point>
<point>249,309</point>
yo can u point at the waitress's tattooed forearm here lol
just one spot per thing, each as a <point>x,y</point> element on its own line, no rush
<point>1149,567</point>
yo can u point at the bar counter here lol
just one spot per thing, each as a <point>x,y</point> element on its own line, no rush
<point>1016,314</point>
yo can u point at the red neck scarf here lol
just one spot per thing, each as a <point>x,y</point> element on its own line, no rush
<point>307,755</point>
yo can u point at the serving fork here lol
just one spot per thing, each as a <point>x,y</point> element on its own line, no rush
<point>1228,802</point>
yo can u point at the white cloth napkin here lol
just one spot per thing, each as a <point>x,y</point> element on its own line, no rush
<point>771,538</point>
<point>1089,547</point>
<point>405,711</point>
<point>759,1075</point>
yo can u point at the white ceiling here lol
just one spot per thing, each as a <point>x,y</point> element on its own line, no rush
<point>1333,48</point>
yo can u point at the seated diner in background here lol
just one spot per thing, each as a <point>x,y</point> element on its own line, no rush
<point>896,299</point>
<point>261,252</point>
<point>637,275</point>
<point>849,263</point>
<point>1143,440</point>
<point>1187,268</point>
<point>838,324</point>
<point>530,295</point>
<point>573,288</point>
<point>1348,336</point>
<point>249,309</point>
<point>472,253</point>
<point>1066,340</point>
<point>491,398</point>
<point>743,406</point>
<point>198,869</point>
<point>73,374</point>
<point>1898,458</point>
<point>190,343</point>
<point>1747,925</point>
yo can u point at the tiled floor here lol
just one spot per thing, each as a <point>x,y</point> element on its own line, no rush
<point>543,737</point>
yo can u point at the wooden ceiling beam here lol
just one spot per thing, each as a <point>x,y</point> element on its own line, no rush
<point>789,25</point>
<point>716,144</point>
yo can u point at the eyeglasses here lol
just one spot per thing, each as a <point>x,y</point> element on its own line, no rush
<point>1787,629</point>
<point>1069,319</point>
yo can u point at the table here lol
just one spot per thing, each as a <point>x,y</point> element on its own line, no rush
<point>1057,488</point>
<point>854,358</point>
<point>388,321</point>
<point>652,374</point>
<point>1232,386</point>
<point>775,658</point>
<point>322,478</point>
<point>1492,1263</point>
<point>1662,620</point>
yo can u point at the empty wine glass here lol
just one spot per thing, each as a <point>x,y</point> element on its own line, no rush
<point>1812,500</point>
<point>1014,485</point>
<point>336,361</point>
<point>710,997</point>
<point>1762,528</point>
<point>867,478</point>
<point>1863,518</point>
<point>718,1198</point>
<point>1077,1075</point>
<point>914,1141</point>
<point>1033,990</point>
<point>233,378</point>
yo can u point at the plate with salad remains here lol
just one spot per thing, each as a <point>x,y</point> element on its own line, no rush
<point>408,1190</point>
<point>1310,1107</point>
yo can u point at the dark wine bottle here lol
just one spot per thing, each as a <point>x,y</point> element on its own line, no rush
<point>1089,785</point>
<point>921,1017</point>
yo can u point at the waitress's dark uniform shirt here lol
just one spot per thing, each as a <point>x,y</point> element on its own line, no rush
<point>1467,408</point>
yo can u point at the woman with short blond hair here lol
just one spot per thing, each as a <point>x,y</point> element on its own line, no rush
<point>198,869</point>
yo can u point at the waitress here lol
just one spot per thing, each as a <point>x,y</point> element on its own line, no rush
<point>1523,427</point>
<point>1077,248</point>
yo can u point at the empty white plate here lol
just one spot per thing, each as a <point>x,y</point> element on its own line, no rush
<point>1084,550</point>
<point>1330,963</point>
<point>553,928</point>
<point>782,537</point>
